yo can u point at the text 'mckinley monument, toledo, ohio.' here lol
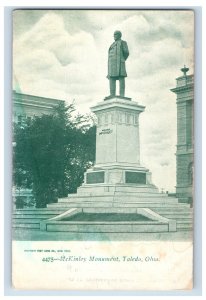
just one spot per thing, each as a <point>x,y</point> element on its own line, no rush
<point>117,188</point>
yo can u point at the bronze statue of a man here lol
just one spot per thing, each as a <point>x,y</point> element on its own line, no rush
<point>117,55</point>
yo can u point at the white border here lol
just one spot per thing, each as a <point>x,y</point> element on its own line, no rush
<point>86,3</point>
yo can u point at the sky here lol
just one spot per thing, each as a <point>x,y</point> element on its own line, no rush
<point>62,54</point>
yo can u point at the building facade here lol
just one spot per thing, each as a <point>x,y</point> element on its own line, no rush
<point>185,136</point>
<point>28,106</point>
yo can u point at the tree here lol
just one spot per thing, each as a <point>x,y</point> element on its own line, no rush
<point>52,153</point>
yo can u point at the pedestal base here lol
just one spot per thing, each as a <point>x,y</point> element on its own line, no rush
<point>118,174</point>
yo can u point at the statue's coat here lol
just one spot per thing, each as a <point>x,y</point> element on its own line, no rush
<point>118,53</point>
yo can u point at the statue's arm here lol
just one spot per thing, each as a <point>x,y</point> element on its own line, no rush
<point>125,50</point>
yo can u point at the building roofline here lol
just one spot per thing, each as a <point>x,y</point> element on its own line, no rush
<point>37,97</point>
<point>183,88</point>
<point>180,77</point>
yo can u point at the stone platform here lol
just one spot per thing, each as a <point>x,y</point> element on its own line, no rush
<point>51,218</point>
<point>164,213</point>
<point>154,222</point>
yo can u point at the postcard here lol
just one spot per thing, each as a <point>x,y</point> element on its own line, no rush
<point>103,149</point>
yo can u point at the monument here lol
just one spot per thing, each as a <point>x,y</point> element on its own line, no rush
<point>117,187</point>
<point>117,55</point>
<point>117,138</point>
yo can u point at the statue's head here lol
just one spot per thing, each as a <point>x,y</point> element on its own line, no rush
<point>117,35</point>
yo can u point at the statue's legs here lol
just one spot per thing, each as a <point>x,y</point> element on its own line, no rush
<point>122,86</point>
<point>112,85</point>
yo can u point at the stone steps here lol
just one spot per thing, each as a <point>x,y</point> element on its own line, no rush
<point>184,226</point>
<point>30,218</point>
<point>27,226</point>
<point>32,224</point>
<point>177,211</point>
<point>184,221</point>
<point>178,216</point>
<point>106,227</point>
<point>101,189</point>
<point>37,216</point>
<point>117,198</point>
<point>118,193</point>
<point>158,204</point>
<point>37,211</point>
<point>183,217</point>
<point>26,220</point>
<point>172,209</point>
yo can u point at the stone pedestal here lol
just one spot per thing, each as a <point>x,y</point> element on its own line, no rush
<point>117,148</point>
<point>117,139</point>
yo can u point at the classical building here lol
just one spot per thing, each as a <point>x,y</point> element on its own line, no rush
<point>185,148</point>
<point>28,106</point>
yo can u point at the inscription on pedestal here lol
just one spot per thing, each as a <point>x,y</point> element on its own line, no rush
<point>95,177</point>
<point>135,177</point>
<point>105,131</point>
